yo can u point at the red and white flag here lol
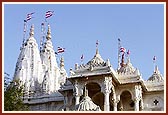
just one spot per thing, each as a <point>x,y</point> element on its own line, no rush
<point>60,50</point>
<point>122,49</point>
<point>29,16</point>
<point>49,14</point>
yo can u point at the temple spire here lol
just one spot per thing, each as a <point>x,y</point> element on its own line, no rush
<point>48,37</point>
<point>156,69</point>
<point>154,63</point>
<point>97,50</point>
<point>31,31</point>
<point>62,62</point>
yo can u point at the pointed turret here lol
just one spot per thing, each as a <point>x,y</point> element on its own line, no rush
<point>48,37</point>
<point>49,63</point>
<point>31,31</point>
<point>28,67</point>
<point>62,63</point>
<point>156,76</point>
<point>96,60</point>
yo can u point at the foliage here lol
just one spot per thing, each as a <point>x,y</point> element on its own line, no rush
<point>13,93</point>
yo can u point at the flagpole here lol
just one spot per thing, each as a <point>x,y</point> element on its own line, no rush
<point>154,63</point>
<point>24,32</point>
<point>29,17</point>
<point>82,59</point>
<point>42,36</point>
<point>119,46</point>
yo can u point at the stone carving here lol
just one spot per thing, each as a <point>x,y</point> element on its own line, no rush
<point>107,85</point>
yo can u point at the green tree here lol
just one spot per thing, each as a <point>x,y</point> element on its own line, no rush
<point>13,93</point>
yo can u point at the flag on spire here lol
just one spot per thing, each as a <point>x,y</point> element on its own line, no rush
<point>29,16</point>
<point>60,50</point>
<point>49,14</point>
<point>122,49</point>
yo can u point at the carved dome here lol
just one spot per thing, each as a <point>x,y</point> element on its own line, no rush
<point>87,104</point>
<point>156,76</point>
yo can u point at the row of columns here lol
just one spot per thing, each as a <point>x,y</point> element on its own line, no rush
<point>106,89</point>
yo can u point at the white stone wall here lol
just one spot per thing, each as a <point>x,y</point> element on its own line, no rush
<point>149,99</point>
<point>50,106</point>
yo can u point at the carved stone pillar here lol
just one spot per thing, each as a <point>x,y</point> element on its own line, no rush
<point>107,90</point>
<point>136,102</point>
<point>77,99</point>
<point>76,93</point>
<point>136,98</point>
<point>114,99</point>
<point>106,102</point>
<point>66,102</point>
<point>141,99</point>
<point>115,106</point>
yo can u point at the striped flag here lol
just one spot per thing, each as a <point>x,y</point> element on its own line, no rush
<point>29,16</point>
<point>122,49</point>
<point>60,50</point>
<point>49,14</point>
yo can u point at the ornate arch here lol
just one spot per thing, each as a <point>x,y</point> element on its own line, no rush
<point>123,90</point>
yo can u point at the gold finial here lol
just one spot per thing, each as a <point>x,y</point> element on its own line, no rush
<point>31,31</point>
<point>48,33</point>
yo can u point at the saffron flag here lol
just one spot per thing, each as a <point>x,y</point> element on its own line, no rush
<point>29,16</point>
<point>122,49</point>
<point>60,50</point>
<point>49,14</point>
